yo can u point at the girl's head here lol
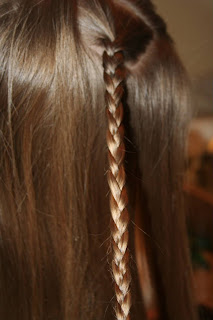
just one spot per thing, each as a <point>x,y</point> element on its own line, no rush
<point>62,64</point>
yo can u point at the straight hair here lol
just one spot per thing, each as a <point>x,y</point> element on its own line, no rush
<point>62,64</point>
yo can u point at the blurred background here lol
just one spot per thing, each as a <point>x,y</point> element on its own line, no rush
<point>190,23</point>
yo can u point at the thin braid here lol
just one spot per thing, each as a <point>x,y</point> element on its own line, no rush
<point>114,75</point>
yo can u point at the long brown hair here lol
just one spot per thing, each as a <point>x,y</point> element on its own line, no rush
<point>62,63</point>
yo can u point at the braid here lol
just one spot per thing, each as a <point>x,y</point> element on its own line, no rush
<point>114,75</point>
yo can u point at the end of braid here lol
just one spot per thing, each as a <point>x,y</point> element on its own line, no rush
<point>114,77</point>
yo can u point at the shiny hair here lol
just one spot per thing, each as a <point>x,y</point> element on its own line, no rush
<point>63,63</point>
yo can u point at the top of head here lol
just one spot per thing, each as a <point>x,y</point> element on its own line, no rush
<point>127,25</point>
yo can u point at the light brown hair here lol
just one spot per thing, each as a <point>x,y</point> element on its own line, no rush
<point>62,63</point>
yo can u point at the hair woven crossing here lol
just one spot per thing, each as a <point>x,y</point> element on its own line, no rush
<point>114,75</point>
